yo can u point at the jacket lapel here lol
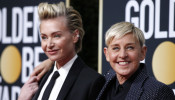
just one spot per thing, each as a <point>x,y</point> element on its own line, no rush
<point>136,88</point>
<point>70,79</point>
<point>42,82</point>
<point>109,77</point>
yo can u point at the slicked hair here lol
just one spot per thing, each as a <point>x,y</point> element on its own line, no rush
<point>74,20</point>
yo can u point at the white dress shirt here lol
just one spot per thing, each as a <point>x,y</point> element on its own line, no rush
<point>63,71</point>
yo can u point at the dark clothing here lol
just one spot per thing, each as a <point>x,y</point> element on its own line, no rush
<point>118,91</point>
<point>143,87</point>
<point>81,83</point>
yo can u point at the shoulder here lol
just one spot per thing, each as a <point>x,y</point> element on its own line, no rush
<point>152,83</point>
<point>110,74</point>
<point>157,89</point>
<point>150,87</point>
<point>86,70</point>
<point>90,81</point>
<point>90,73</point>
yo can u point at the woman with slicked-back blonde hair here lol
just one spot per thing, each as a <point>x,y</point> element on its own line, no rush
<point>68,78</point>
<point>74,21</point>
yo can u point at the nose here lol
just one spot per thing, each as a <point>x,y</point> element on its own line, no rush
<point>50,43</point>
<point>123,53</point>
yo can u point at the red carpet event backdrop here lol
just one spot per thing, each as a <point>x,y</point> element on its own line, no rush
<point>19,44</point>
<point>20,40</point>
<point>156,18</point>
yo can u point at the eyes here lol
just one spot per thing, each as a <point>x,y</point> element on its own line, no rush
<point>130,47</point>
<point>44,37</point>
<point>57,35</point>
<point>117,48</point>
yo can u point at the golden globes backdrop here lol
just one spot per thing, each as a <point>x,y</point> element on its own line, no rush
<point>156,18</point>
<point>20,49</point>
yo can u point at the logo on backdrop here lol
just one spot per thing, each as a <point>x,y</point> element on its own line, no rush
<point>163,62</point>
<point>10,64</point>
<point>20,48</point>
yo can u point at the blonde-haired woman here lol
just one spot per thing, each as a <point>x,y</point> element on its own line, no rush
<point>61,38</point>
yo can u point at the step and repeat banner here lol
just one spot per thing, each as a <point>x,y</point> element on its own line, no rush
<point>20,49</point>
<point>156,18</point>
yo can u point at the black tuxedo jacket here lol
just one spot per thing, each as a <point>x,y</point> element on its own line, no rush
<point>144,87</point>
<point>81,83</point>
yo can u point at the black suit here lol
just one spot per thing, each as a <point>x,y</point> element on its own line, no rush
<point>144,87</point>
<point>81,83</point>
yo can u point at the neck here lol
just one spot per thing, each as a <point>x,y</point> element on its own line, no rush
<point>122,79</point>
<point>64,60</point>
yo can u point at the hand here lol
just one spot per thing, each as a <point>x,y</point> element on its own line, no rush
<point>42,68</point>
<point>28,89</point>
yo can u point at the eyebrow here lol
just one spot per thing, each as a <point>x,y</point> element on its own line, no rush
<point>41,33</point>
<point>52,32</point>
<point>133,43</point>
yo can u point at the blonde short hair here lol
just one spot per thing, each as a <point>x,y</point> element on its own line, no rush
<point>74,20</point>
<point>118,30</point>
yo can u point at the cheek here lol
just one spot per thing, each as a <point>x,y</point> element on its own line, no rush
<point>68,44</point>
<point>136,56</point>
<point>43,46</point>
<point>63,41</point>
<point>113,57</point>
<point>140,56</point>
<point>60,44</point>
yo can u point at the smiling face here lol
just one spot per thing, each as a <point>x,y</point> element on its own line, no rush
<point>57,41</point>
<point>124,55</point>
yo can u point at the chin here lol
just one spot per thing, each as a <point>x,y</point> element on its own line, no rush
<point>52,59</point>
<point>123,73</point>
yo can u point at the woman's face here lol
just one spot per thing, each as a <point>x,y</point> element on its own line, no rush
<point>124,55</point>
<point>57,41</point>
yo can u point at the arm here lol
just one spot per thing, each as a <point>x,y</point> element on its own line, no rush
<point>42,68</point>
<point>28,89</point>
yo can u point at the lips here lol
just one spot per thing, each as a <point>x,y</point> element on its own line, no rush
<point>52,52</point>
<point>123,63</point>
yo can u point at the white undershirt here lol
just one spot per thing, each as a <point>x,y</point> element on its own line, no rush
<point>63,71</point>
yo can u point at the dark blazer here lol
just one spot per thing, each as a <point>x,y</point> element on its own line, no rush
<point>81,83</point>
<point>143,87</point>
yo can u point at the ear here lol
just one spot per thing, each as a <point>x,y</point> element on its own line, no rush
<point>76,36</point>
<point>143,52</point>
<point>106,53</point>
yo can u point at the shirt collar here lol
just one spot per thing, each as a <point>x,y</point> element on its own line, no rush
<point>128,82</point>
<point>65,68</point>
